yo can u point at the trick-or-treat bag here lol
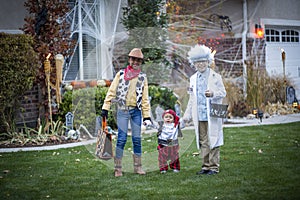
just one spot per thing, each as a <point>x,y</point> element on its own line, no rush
<point>104,149</point>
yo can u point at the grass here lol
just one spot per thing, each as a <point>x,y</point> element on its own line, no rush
<point>258,162</point>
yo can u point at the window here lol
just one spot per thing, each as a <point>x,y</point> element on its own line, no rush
<point>272,35</point>
<point>281,35</point>
<point>290,36</point>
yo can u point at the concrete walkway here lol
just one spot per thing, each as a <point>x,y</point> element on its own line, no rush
<point>237,122</point>
<point>275,119</point>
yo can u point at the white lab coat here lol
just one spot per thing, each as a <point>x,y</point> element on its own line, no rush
<point>215,129</point>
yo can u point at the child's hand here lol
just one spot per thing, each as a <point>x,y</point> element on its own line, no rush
<point>158,134</point>
<point>147,123</point>
<point>209,93</point>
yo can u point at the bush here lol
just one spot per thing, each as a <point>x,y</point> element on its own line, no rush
<point>162,96</point>
<point>262,90</point>
<point>18,68</point>
<point>86,105</point>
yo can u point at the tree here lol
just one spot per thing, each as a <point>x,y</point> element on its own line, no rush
<point>147,25</point>
<point>46,24</point>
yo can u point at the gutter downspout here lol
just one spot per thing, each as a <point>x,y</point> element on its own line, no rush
<point>80,41</point>
<point>244,47</point>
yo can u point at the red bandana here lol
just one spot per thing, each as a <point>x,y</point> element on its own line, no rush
<point>130,73</point>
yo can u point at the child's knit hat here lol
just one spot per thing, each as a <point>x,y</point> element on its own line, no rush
<point>172,112</point>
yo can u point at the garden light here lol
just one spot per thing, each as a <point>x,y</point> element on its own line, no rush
<point>260,115</point>
<point>254,111</point>
<point>59,62</point>
<point>47,69</point>
<point>47,64</point>
<point>283,56</point>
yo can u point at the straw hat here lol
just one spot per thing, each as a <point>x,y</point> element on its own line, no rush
<point>137,53</point>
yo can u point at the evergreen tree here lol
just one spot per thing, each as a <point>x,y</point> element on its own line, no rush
<point>147,22</point>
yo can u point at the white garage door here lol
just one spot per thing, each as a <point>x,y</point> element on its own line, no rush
<point>288,40</point>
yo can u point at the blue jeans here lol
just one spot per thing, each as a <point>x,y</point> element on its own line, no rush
<point>135,118</point>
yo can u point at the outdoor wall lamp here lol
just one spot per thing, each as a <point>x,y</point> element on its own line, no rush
<point>259,31</point>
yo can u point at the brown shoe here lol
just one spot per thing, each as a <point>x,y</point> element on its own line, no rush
<point>118,167</point>
<point>137,164</point>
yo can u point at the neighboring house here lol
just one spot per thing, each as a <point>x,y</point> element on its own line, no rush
<point>280,21</point>
<point>101,35</point>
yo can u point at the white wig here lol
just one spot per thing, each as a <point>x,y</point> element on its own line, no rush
<point>200,52</point>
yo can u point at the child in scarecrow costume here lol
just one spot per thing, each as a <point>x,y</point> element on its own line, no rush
<point>168,146</point>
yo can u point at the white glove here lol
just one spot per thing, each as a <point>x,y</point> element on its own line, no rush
<point>147,123</point>
<point>181,122</point>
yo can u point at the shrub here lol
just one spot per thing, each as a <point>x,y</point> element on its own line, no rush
<point>18,68</point>
<point>162,96</point>
<point>86,105</point>
<point>262,90</point>
<point>235,99</point>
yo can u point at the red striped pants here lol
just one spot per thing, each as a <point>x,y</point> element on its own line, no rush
<point>166,153</point>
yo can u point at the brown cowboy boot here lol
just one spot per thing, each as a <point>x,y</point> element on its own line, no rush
<point>118,167</point>
<point>137,164</point>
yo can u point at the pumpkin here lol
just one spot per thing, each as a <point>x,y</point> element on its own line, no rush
<point>93,83</point>
<point>78,84</point>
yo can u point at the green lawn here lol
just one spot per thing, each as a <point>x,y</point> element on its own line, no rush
<point>258,162</point>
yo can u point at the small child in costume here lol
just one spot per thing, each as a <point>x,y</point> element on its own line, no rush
<point>168,147</point>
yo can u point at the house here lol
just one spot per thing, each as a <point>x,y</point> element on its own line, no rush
<point>231,29</point>
<point>280,22</point>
